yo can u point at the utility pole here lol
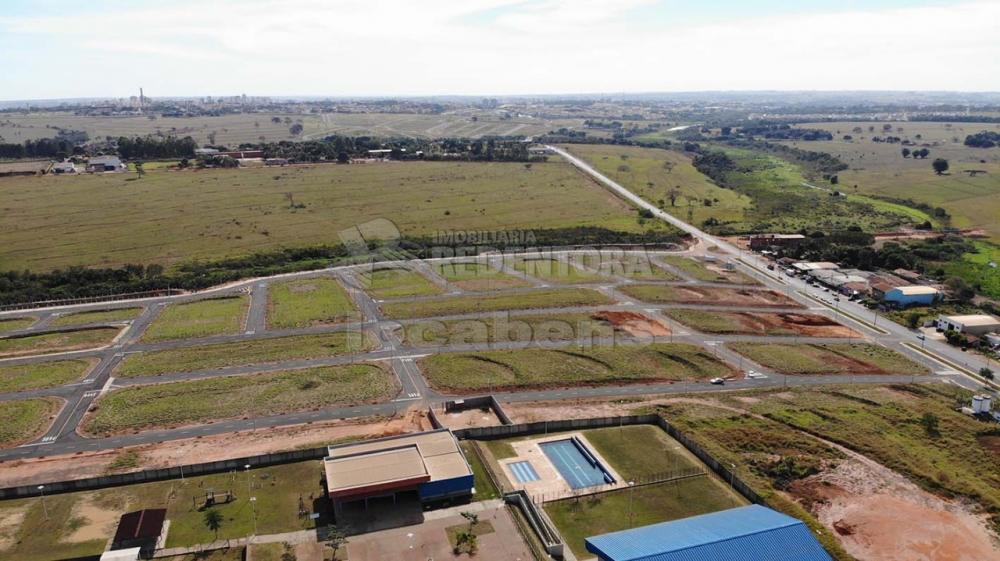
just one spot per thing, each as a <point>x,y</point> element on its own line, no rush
<point>41,493</point>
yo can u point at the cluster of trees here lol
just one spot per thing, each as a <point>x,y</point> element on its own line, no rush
<point>853,248</point>
<point>984,139</point>
<point>783,132</point>
<point>141,147</point>
<point>64,144</point>
<point>716,165</point>
<point>920,153</point>
<point>343,148</point>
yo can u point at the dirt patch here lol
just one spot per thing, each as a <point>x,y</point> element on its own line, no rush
<point>95,522</point>
<point>210,448</point>
<point>733,297</point>
<point>633,323</point>
<point>467,418</point>
<point>990,442</point>
<point>10,521</point>
<point>879,515</point>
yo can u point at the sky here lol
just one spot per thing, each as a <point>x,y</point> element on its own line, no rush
<point>52,49</point>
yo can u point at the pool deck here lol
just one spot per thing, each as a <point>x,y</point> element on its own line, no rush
<point>551,485</point>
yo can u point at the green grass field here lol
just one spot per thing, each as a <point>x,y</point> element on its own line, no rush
<point>975,268</point>
<point>26,419</point>
<point>699,270</point>
<point>658,454</point>
<point>42,375</point>
<point>244,353</point>
<point>278,490</point>
<point>57,341</point>
<point>553,298</point>
<point>169,217</point>
<point>200,401</point>
<point>303,303</point>
<point>98,316</point>
<point>397,283</point>
<point>553,270</point>
<point>531,368</point>
<point>14,324</point>
<point>477,277</point>
<point>879,168</point>
<point>841,358</point>
<point>553,327</point>
<point>217,316</point>
<point>485,489</point>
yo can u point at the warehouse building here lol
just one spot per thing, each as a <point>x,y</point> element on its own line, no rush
<point>912,295</point>
<point>974,324</point>
<point>429,465</point>
<point>738,534</point>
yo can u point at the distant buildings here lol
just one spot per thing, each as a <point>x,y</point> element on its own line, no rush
<point>100,164</point>
<point>911,295</point>
<point>973,324</point>
<point>63,167</point>
<point>769,241</point>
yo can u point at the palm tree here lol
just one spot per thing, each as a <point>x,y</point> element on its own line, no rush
<point>213,521</point>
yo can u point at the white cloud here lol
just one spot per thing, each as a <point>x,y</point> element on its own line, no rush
<point>356,47</point>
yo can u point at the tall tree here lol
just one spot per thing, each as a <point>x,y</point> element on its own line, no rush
<point>940,165</point>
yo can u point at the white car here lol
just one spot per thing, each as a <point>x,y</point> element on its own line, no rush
<point>753,374</point>
<point>717,381</point>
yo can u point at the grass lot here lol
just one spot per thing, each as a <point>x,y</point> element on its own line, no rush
<point>14,324</point>
<point>256,395</point>
<point>485,489</point>
<point>396,283</point>
<point>652,173</point>
<point>477,277</point>
<point>302,303</point>
<point>700,271</point>
<point>555,327</point>
<point>26,419</point>
<point>553,298</point>
<point>217,316</point>
<point>658,454</point>
<point>278,490</point>
<point>549,367</point>
<point>97,316</point>
<point>42,375</point>
<point>841,358</point>
<point>243,353</point>
<point>975,268</point>
<point>578,519</point>
<point>553,270</point>
<point>169,217</point>
<point>52,342</point>
<point>878,168</point>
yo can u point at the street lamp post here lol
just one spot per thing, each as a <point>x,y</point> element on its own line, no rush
<point>247,468</point>
<point>41,494</point>
<point>253,513</point>
<point>631,493</point>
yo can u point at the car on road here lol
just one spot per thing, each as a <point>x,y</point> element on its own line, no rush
<point>754,375</point>
<point>717,381</point>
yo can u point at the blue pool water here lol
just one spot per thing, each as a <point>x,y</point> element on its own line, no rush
<point>575,463</point>
<point>523,471</point>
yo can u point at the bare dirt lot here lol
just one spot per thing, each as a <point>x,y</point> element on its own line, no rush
<point>635,324</point>
<point>710,295</point>
<point>763,323</point>
<point>468,418</point>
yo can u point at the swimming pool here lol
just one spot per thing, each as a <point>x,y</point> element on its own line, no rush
<point>523,472</point>
<point>575,463</point>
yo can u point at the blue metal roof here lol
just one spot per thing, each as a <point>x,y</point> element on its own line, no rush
<point>739,534</point>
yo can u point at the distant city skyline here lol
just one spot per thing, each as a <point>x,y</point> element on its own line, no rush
<point>352,48</point>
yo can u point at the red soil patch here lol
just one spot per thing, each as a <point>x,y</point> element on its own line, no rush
<point>811,325</point>
<point>719,296</point>
<point>990,442</point>
<point>635,324</point>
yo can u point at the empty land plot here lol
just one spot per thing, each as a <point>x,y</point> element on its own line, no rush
<point>636,268</point>
<point>199,401</point>
<point>527,300</point>
<point>581,518</point>
<point>178,216</point>
<point>243,353</point>
<point>553,270</point>
<point>503,327</point>
<point>26,419</point>
<point>761,323</point>
<point>97,316</point>
<point>217,316</point>
<point>57,341</point>
<point>840,358</point>
<point>40,375</point>
<point>477,277</point>
<point>78,524</point>
<point>658,455</point>
<point>13,324</point>
<point>706,272</point>
<point>302,303</point>
<point>529,368</point>
<point>709,295</point>
<point>397,283</point>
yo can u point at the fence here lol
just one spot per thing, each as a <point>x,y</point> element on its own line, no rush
<point>657,479</point>
<point>91,299</point>
<point>539,522</point>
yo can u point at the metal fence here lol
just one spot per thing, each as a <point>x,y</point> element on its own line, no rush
<point>91,299</point>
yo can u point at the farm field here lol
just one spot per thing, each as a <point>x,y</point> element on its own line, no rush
<point>13,324</point>
<point>761,323</point>
<point>533,368</point>
<point>303,303</point>
<point>553,270</point>
<point>170,217</point>
<point>277,489</point>
<point>537,328</point>
<point>702,271</point>
<point>840,358</point>
<point>243,353</point>
<point>202,318</point>
<point>551,298</point>
<point>397,283</point>
<point>98,316</point>
<point>709,295</point>
<point>182,403</point>
<point>26,419</point>
<point>477,277</point>
<point>57,341</point>
<point>23,377</point>
<point>879,168</point>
